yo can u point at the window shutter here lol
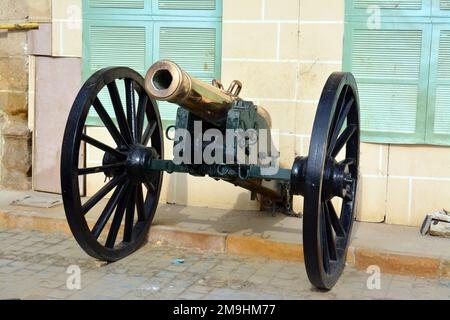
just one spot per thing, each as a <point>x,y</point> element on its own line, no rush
<point>396,8</point>
<point>441,8</point>
<point>444,5</point>
<point>194,46</point>
<point>113,43</point>
<point>438,128</point>
<point>188,8</point>
<point>391,68</point>
<point>117,4</point>
<point>187,5</point>
<point>102,7</point>
<point>117,46</point>
<point>136,33</point>
<point>390,4</point>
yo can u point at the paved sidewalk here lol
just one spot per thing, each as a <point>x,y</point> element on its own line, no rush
<point>397,249</point>
<point>33,265</point>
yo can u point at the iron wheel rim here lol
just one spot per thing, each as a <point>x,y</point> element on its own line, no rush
<point>326,234</point>
<point>123,188</point>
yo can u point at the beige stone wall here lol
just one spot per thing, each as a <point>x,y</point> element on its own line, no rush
<point>66,28</point>
<point>418,183</point>
<point>15,137</point>
<point>283,52</point>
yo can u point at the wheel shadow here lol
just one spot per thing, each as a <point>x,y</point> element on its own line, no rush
<point>265,225</point>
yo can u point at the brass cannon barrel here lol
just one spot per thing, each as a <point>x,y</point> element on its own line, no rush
<point>166,81</point>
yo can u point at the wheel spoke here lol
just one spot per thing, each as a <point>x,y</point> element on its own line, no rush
<point>131,107</point>
<point>109,124</point>
<point>343,139</point>
<point>118,109</point>
<point>150,185</point>
<point>140,203</point>
<point>102,193</point>
<point>340,122</point>
<point>348,162</point>
<point>149,132</point>
<point>331,243</point>
<point>108,211</point>
<point>143,100</point>
<point>118,217</point>
<point>347,214</point>
<point>335,221</point>
<point>129,217</point>
<point>324,241</point>
<point>93,170</point>
<point>349,193</point>
<point>102,146</point>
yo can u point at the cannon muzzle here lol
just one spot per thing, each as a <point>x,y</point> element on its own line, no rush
<point>166,81</point>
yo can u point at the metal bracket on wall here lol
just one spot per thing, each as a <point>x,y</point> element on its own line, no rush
<point>20,26</point>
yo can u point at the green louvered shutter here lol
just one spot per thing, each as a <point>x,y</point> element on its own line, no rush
<point>136,33</point>
<point>117,4</point>
<point>187,5</point>
<point>186,8</point>
<point>115,43</point>
<point>194,46</point>
<point>441,8</point>
<point>438,130</point>
<point>438,126</point>
<point>391,68</point>
<point>192,39</point>
<point>104,7</point>
<point>390,56</point>
<point>389,8</point>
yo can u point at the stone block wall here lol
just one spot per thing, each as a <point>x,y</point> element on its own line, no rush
<point>15,136</point>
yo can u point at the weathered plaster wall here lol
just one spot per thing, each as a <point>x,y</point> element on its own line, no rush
<point>15,137</point>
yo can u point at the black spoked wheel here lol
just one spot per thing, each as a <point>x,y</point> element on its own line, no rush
<point>331,179</point>
<point>115,221</point>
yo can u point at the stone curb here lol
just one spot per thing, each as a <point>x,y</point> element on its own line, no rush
<point>359,257</point>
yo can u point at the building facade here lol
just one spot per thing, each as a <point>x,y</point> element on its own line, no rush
<point>283,52</point>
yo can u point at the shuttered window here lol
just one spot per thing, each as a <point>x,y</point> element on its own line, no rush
<point>399,51</point>
<point>136,33</point>
<point>193,46</point>
<point>439,89</point>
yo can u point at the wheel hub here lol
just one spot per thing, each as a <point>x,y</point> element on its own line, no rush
<point>111,159</point>
<point>337,179</point>
<point>136,162</point>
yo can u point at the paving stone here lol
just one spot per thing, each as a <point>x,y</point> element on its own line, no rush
<point>200,289</point>
<point>37,267</point>
<point>191,296</point>
<point>4,262</point>
<point>259,280</point>
<point>19,264</point>
<point>60,294</point>
<point>8,269</point>
<point>177,268</point>
<point>166,274</point>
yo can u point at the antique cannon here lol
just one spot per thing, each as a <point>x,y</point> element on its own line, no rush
<point>217,134</point>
